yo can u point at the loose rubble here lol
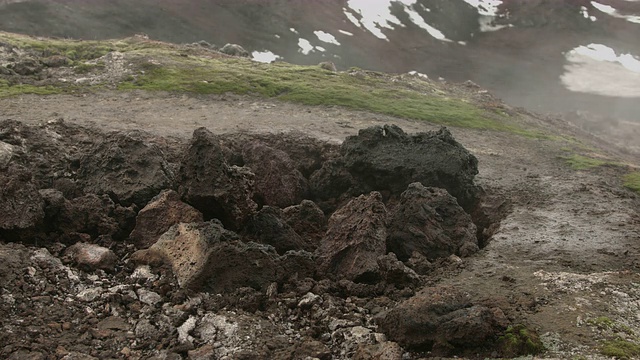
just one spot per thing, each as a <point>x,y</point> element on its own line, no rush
<point>212,249</point>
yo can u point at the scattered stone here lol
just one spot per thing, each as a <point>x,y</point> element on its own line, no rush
<point>355,239</point>
<point>90,294</point>
<point>149,297</point>
<point>309,300</point>
<point>91,257</point>
<point>162,212</point>
<point>387,350</point>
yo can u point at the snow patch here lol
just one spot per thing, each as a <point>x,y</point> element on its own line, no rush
<point>345,32</point>
<point>326,37</point>
<point>264,56</point>
<point>305,46</point>
<point>610,10</point>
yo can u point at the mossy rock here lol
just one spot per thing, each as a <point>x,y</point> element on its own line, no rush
<point>621,349</point>
<point>519,340</point>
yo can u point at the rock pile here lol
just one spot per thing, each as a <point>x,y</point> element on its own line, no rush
<point>238,246</point>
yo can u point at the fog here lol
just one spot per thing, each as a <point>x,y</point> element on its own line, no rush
<point>568,57</point>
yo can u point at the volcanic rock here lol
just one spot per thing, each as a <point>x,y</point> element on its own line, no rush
<point>387,350</point>
<point>94,215</point>
<point>21,204</point>
<point>441,318</point>
<point>211,186</point>
<point>385,158</point>
<point>278,182</point>
<point>268,227</point>
<point>91,257</point>
<point>307,220</point>
<point>355,239</point>
<point>234,50</point>
<point>127,166</point>
<point>430,222</point>
<point>162,212</point>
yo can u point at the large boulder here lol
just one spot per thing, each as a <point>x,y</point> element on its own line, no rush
<point>442,319</point>
<point>162,212</point>
<point>128,167</point>
<point>385,158</point>
<point>234,50</point>
<point>21,205</point>
<point>207,257</point>
<point>355,239</point>
<point>430,221</point>
<point>278,182</point>
<point>210,185</point>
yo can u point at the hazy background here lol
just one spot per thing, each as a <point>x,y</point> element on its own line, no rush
<point>546,55</point>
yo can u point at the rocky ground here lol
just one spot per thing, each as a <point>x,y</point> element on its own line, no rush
<point>165,226</point>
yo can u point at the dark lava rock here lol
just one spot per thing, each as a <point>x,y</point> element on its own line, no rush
<point>430,222</point>
<point>396,273</point>
<point>162,212</point>
<point>126,166</point>
<point>355,239</point>
<point>443,320</point>
<point>95,215</point>
<point>278,182</point>
<point>21,205</point>
<point>27,66</point>
<point>385,158</point>
<point>268,227</point>
<point>308,221</point>
<point>210,185</point>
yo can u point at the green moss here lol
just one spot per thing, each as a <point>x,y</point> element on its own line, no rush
<point>632,181</point>
<point>579,162</point>
<point>620,348</point>
<point>7,90</point>
<point>519,340</point>
<point>85,68</point>
<point>601,322</point>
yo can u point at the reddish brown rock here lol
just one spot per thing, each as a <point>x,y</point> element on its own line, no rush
<point>442,319</point>
<point>213,187</point>
<point>21,205</point>
<point>278,182</point>
<point>164,211</point>
<point>355,239</point>
<point>429,221</point>
<point>308,221</point>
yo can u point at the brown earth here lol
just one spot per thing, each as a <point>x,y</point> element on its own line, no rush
<point>566,253</point>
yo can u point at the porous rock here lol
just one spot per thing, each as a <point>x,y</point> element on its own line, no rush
<point>213,187</point>
<point>307,220</point>
<point>162,212</point>
<point>207,257</point>
<point>127,166</point>
<point>387,350</point>
<point>385,158</point>
<point>91,257</point>
<point>429,221</point>
<point>355,239</point>
<point>278,182</point>
<point>94,215</point>
<point>268,227</point>
<point>441,318</point>
<point>21,205</point>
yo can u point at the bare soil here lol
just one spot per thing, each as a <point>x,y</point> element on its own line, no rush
<point>567,252</point>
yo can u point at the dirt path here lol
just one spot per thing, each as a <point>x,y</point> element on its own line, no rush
<point>567,253</point>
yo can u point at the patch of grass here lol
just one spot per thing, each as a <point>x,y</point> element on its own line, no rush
<point>7,90</point>
<point>312,85</point>
<point>85,68</point>
<point>620,349</point>
<point>519,340</point>
<point>601,322</point>
<point>579,162</point>
<point>632,181</point>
